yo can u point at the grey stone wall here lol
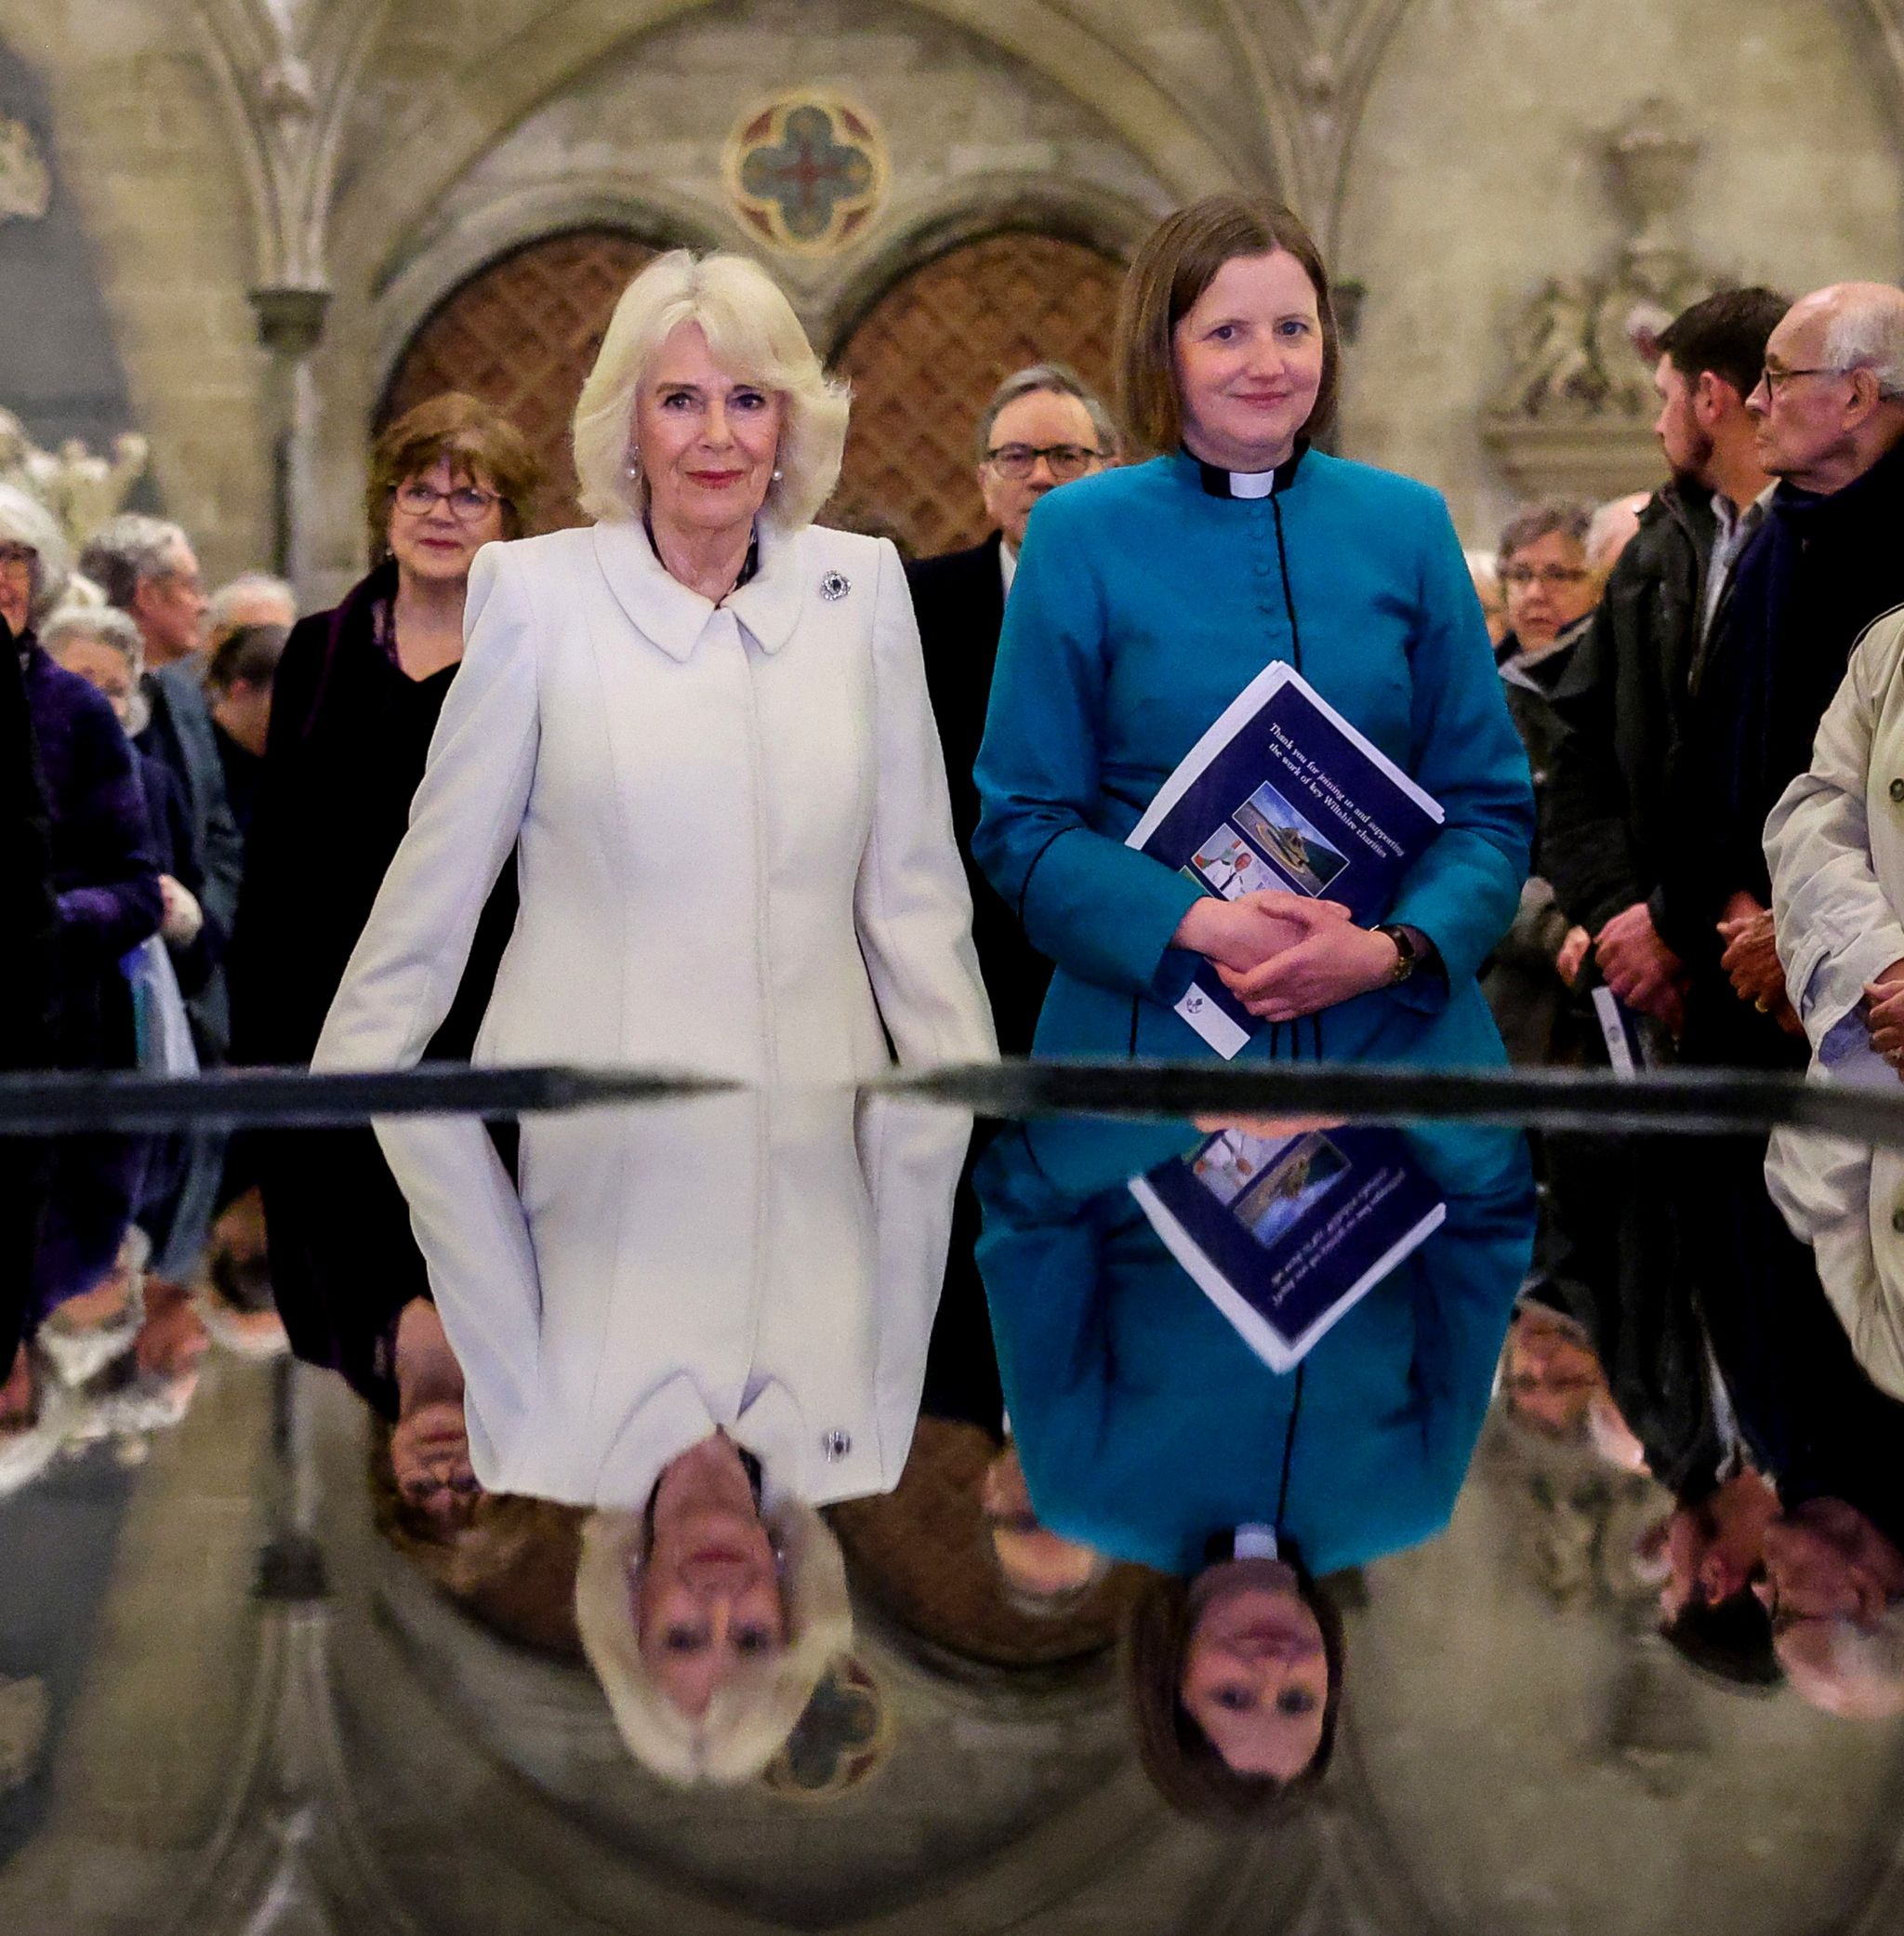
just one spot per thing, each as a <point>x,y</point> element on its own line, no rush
<point>1444,147</point>
<point>143,149</point>
<point>1474,178</point>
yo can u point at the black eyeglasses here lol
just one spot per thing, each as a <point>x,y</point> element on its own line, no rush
<point>1773,379</point>
<point>1019,460</point>
<point>465,502</point>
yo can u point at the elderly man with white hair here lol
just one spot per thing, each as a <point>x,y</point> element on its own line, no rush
<point>1834,1586</point>
<point>252,598</point>
<point>1829,409</point>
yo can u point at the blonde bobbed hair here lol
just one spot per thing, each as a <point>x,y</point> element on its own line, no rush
<point>754,335</point>
<point>748,1721</point>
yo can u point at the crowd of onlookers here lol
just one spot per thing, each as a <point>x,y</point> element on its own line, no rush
<point>140,706</point>
<point>221,788</point>
<point>1719,1324</point>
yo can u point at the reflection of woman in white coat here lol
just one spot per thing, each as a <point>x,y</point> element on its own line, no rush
<point>1835,841</point>
<point>729,1329</point>
<point>702,726</point>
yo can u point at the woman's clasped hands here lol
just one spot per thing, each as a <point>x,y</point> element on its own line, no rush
<point>1283,955</point>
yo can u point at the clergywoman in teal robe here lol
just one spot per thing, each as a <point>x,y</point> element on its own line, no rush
<point>1147,599</point>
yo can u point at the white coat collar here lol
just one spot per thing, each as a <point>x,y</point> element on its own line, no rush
<point>668,615</point>
<point>676,1415</point>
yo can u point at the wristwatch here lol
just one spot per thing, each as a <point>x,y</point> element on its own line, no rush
<point>1408,957</point>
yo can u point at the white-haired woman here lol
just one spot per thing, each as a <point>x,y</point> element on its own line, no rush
<point>105,875</point>
<point>702,727</point>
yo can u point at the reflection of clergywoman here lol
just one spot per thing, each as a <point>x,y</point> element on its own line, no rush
<point>1149,1431</point>
<point>1235,1682</point>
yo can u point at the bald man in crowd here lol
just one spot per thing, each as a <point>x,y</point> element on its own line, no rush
<point>1834,1586</point>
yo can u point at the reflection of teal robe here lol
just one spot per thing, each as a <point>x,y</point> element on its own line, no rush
<point>1142,606</point>
<point>1143,1421</point>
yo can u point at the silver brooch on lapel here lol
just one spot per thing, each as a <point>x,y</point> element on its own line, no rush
<point>834,585</point>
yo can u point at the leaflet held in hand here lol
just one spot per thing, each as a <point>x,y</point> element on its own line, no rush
<point>1285,1235</point>
<point>1283,793</point>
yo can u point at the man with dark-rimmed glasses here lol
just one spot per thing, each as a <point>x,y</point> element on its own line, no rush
<point>1043,428</point>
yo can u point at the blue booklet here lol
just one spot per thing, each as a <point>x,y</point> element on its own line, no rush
<point>1283,793</point>
<point>1284,1234</point>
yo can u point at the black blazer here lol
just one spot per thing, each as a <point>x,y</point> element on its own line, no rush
<point>961,602</point>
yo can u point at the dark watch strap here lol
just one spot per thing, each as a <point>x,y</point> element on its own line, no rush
<point>1408,957</point>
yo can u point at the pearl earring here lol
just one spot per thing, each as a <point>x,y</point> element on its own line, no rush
<point>778,475</point>
<point>634,463</point>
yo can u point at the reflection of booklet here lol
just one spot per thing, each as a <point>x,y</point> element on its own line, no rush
<point>1283,793</point>
<point>1285,1235</point>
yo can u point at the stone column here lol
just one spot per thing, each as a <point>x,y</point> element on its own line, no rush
<point>290,324</point>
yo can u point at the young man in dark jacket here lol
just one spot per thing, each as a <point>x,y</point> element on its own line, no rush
<point>1607,835</point>
<point>1616,1244</point>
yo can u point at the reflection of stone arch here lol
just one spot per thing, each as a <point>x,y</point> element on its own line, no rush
<point>927,355</point>
<point>521,334</point>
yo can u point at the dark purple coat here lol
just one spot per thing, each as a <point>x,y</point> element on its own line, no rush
<point>349,735</point>
<point>105,869</point>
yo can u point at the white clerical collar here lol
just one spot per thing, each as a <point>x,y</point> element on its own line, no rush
<point>1256,1542</point>
<point>1250,484</point>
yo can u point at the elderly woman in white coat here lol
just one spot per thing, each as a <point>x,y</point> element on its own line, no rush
<point>702,726</point>
<point>1835,841</point>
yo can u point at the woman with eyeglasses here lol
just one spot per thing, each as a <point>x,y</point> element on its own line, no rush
<point>358,692</point>
<point>1551,590</point>
<point>356,700</point>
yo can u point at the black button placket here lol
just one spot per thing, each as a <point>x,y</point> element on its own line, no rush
<point>1264,574</point>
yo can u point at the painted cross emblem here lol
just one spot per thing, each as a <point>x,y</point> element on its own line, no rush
<point>806,173</point>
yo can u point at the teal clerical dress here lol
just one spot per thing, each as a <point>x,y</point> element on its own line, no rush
<point>1146,600</point>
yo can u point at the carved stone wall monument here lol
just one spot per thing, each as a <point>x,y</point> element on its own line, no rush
<point>26,184</point>
<point>1575,413</point>
<point>79,487</point>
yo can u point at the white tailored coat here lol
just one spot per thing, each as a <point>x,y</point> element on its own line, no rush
<point>735,857</point>
<point>763,1261</point>
<point>1835,842</point>
<point>732,834</point>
